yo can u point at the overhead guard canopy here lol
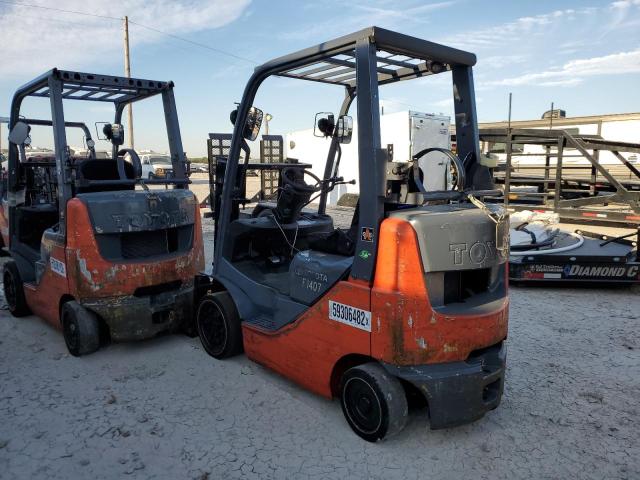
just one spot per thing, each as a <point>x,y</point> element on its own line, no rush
<point>400,57</point>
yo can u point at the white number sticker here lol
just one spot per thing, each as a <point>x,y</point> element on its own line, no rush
<point>350,315</point>
<point>58,267</point>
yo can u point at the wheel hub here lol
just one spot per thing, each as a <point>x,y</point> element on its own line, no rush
<point>363,405</point>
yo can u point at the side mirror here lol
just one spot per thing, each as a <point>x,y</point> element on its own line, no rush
<point>344,129</point>
<point>114,133</point>
<point>90,143</point>
<point>20,133</point>
<point>324,124</point>
<point>253,124</point>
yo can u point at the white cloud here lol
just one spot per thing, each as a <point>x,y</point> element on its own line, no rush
<point>575,71</point>
<point>623,4</point>
<point>556,48</point>
<point>35,39</point>
<point>354,17</point>
<point>521,32</point>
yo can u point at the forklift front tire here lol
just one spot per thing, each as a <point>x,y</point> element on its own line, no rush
<point>14,290</point>
<point>373,402</point>
<point>81,329</point>
<point>218,325</point>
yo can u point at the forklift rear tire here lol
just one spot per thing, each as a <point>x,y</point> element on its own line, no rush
<point>81,329</point>
<point>14,290</point>
<point>373,402</point>
<point>218,325</point>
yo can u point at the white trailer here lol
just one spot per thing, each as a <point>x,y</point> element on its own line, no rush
<point>621,127</point>
<point>406,132</point>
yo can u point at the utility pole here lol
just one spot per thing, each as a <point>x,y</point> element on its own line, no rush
<point>268,117</point>
<point>127,72</point>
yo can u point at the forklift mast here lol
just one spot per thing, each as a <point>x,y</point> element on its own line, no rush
<point>367,59</point>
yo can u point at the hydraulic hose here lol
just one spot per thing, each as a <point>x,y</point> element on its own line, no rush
<point>566,248</point>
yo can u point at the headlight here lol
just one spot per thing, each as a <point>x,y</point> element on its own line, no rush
<point>159,171</point>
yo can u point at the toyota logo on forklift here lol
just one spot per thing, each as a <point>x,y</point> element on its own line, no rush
<point>477,253</point>
<point>382,314</point>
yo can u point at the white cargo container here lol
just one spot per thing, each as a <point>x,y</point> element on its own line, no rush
<point>409,132</point>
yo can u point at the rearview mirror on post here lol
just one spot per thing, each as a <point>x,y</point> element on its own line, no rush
<point>344,129</point>
<point>253,124</point>
<point>324,124</point>
<point>19,133</point>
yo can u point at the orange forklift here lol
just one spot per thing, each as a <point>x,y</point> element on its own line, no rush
<point>412,298</point>
<point>98,251</point>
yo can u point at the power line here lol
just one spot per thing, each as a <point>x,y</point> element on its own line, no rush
<point>59,10</point>
<point>153,29</point>
<point>198,44</point>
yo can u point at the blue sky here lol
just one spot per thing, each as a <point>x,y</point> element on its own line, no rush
<point>582,55</point>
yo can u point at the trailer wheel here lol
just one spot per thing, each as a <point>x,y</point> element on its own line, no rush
<point>14,290</point>
<point>81,329</point>
<point>373,402</point>
<point>218,325</point>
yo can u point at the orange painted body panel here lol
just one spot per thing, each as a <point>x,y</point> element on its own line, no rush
<point>406,330</point>
<point>91,276</point>
<point>44,299</point>
<point>4,222</point>
<point>307,350</point>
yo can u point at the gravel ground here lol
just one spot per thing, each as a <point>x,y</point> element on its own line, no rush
<point>164,409</point>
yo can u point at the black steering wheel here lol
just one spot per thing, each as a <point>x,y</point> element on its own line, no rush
<point>459,174</point>
<point>135,159</point>
<point>296,183</point>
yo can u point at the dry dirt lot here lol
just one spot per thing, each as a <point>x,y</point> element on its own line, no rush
<point>163,409</point>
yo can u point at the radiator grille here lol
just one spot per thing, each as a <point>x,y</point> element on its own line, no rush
<point>144,244</point>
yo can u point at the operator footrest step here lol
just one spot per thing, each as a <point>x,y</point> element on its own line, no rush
<point>263,321</point>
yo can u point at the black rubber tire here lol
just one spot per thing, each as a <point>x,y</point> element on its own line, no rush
<point>373,402</point>
<point>81,329</point>
<point>218,325</point>
<point>14,290</point>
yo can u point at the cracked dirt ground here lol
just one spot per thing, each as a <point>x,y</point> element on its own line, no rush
<point>164,409</point>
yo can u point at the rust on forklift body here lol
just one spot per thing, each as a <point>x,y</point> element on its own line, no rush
<point>399,294</point>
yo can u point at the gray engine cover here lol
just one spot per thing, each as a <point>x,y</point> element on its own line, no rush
<point>137,211</point>
<point>457,237</point>
<point>312,273</point>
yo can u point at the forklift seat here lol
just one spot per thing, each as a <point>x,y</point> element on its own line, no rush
<point>33,221</point>
<point>339,241</point>
<point>263,236</point>
<point>103,169</point>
